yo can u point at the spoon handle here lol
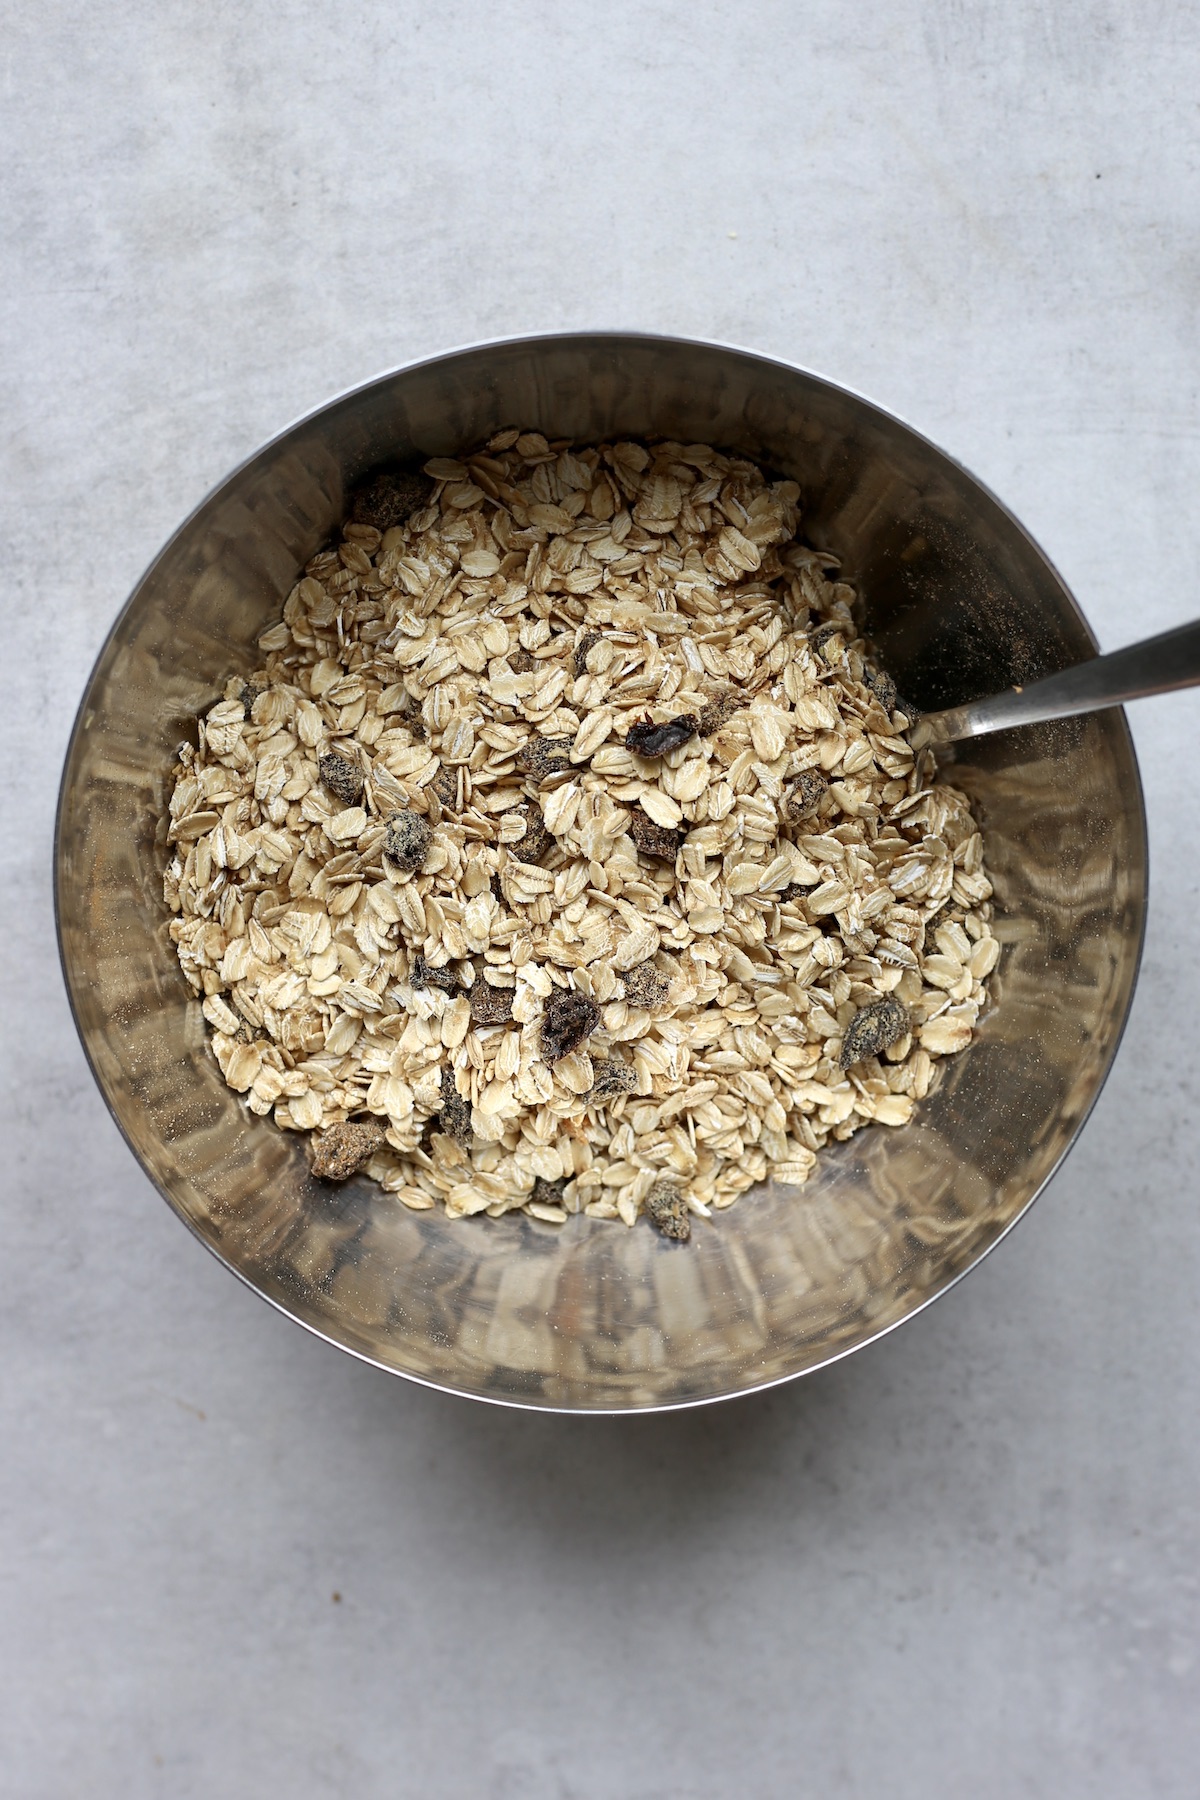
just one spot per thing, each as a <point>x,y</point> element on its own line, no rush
<point>1155,666</point>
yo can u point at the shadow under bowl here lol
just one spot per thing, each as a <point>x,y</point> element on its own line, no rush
<point>591,1317</point>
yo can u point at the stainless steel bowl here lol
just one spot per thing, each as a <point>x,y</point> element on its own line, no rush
<point>590,1317</point>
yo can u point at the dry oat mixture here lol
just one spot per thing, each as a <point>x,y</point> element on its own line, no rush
<point>567,851</point>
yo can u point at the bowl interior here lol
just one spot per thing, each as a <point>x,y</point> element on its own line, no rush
<point>591,1316</point>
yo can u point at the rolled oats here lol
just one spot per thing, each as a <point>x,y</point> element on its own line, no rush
<point>567,853</point>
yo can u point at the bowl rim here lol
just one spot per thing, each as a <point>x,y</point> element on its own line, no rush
<point>310,417</point>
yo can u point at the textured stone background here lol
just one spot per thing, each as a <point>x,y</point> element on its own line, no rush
<point>962,1563</point>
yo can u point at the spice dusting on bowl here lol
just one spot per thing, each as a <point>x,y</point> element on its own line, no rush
<point>567,852</point>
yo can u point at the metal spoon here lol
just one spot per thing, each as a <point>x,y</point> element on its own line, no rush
<point>1155,666</point>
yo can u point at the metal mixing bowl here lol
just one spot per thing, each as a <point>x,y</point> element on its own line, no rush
<point>589,1316</point>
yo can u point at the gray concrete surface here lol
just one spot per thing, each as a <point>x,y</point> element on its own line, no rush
<point>235,1564</point>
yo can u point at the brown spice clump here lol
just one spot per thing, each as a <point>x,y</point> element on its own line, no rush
<point>569,1019</point>
<point>579,661</point>
<point>456,1112</point>
<point>548,1193</point>
<point>445,786</point>
<point>872,1029</point>
<point>407,839</point>
<point>883,688</point>
<point>720,710</point>
<point>667,1208</point>
<point>427,975</point>
<point>390,498</point>
<point>490,1005</point>
<point>645,987</point>
<point>343,778</point>
<point>823,642</point>
<point>542,757</point>
<point>343,1149</point>
<point>661,841</point>
<point>611,1077</point>
<point>806,794</point>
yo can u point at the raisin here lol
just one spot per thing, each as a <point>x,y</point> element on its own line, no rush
<point>579,665</point>
<point>343,778</point>
<point>389,498</point>
<point>407,839</point>
<point>645,987</point>
<point>341,1150</point>
<point>535,841</point>
<point>490,1005</point>
<point>662,841</point>
<point>667,1208</point>
<point>456,1112</point>
<point>568,1020</point>
<point>611,1077</point>
<point>542,757</point>
<point>645,738</point>
<point>427,975</point>
<point>805,795</point>
<point>872,1029</point>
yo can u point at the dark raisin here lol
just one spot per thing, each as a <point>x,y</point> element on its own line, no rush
<point>719,711</point>
<point>337,1153</point>
<point>645,738</point>
<point>666,1207</point>
<point>343,778</point>
<point>536,841</point>
<point>581,652</point>
<point>872,1029</point>
<point>427,975</point>
<point>611,1077</point>
<point>407,839</point>
<point>490,1005</point>
<point>653,840</point>
<point>883,688</point>
<point>548,1193</point>
<point>645,987</point>
<point>456,1112</point>
<point>568,1021</point>
<point>389,498</point>
<point>805,795</point>
<point>542,757</point>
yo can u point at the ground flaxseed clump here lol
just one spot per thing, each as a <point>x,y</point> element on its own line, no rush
<point>343,778</point>
<point>490,1005</point>
<point>568,842</point>
<point>342,1150</point>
